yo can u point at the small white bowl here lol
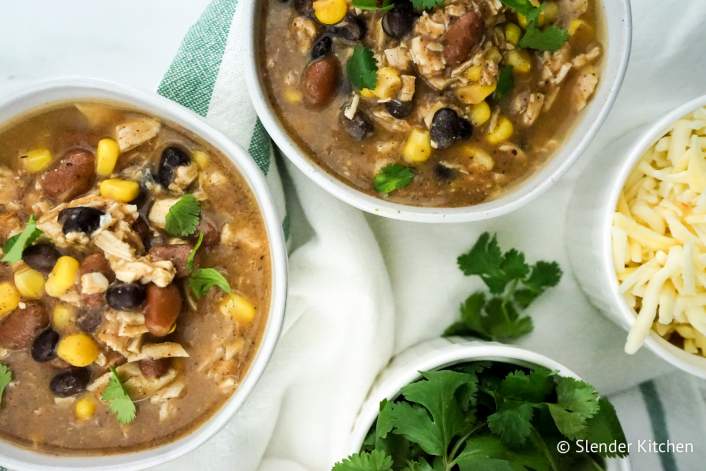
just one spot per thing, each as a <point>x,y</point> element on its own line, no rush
<point>618,38</point>
<point>589,222</point>
<point>72,89</point>
<point>439,353</point>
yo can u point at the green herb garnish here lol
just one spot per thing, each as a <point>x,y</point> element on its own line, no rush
<point>5,379</point>
<point>421,5</point>
<point>192,254</point>
<point>118,400</point>
<point>203,279</point>
<point>506,82</point>
<point>524,8</point>
<point>392,177</point>
<point>550,38</point>
<point>513,285</point>
<point>374,5</point>
<point>488,416</point>
<point>16,245</point>
<point>183,217</point>
<point>362,68</point>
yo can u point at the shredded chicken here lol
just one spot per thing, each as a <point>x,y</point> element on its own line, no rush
<point>398,57</point>
<point>136,131</point>
<point>584,88</point>
<point>184,175</point>
<point>304,31</point>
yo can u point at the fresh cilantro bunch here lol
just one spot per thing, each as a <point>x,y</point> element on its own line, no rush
<point>513,284</point>
<point>550,38</point>
<point>488,416</point>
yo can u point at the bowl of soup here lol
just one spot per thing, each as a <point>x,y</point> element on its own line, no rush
<point>142,278</point>
<point>435,111</point>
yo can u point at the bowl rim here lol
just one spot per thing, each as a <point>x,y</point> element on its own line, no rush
<point>688,362</point>
<point>521,194</point>
<point>441,353</point>
<point>66,89</point>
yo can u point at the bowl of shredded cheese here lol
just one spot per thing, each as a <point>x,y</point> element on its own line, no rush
<point>642,259</point>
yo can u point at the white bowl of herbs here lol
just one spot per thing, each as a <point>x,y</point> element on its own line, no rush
<point>460,405</point>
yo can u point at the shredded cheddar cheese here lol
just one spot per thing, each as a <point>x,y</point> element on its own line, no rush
<point>659,239</point>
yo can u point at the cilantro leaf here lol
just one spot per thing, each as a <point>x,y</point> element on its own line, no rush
<point>506,82</point>
<point>550,38</point>
<point>604,427</point>
<point>577,401</point>
<point>524,8</point>
<point>485,260</point>
<point>415,424</point>
<point>421,5</point>
<point>362,68</point>
<point>512,423</point>
<point>375,460</point>
<point>5,379</point>
<point>393,177</point>
<point>374,5</point>
<point>183,217</point>
<point>118,400</point>
<point>534,387</point>
<point>15,245</point>
<point>417,465</point>
<point>192,254</point>
<point>203,279</point>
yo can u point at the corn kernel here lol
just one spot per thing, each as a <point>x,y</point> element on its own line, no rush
<point>330,12</point>
<point>388,83</point>
<point>367,93</point>
<point>475,93</point>
<point>85,408</point>
<point>77,349</point>
<point>480,113</point>
<point>577,25</point>
<point>478,157</point>
<point>522,20</point>
<point>201,158</point>
<point>62,317</point>
<point>474,72</point>
<point>512,33</point>
<point>549,14</point>
<point>494,55</point>
<point>107,154</point>
<point>62,277</point>
<point>502,132</point>
<point>119,190</point>
<point>9,299</point>
<point>292,95</point>
<point>239,308</point>
<point>519,60</point>
<point>417,149</point>
<point>30,283</point>
<point>36,160</point>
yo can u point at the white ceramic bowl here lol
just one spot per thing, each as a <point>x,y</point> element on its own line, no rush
<point>618,38</point>
<point>589,221</point>
<point>439,353</point>
<point>66,90</point>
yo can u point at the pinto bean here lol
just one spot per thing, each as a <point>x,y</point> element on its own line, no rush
<point>163,308</point>
<point>19,329</point>
<point>175,253</point>
<point>320,80</point>
<point>97,263</point>
<point>155,368</point>
<point>462,37</point>
<point>72,176</point>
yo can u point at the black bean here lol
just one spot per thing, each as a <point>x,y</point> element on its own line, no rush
<point>44,346</point>
<point>399,109</point>
<point>443,172</point>
<point>172,157</point>
<point>322,47</point>
<point>70,382</point>
<point>352,29</point>
<point>41,257</point>
<point>88,321</point>
<point>399,21</point>
<point>448,128</point>
<point>80,219</point>
<point>126,296</point>
<point>358,128</point>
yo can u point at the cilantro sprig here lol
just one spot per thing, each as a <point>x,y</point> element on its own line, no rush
<point>422,5</point>
<point>183,217</point>
<point>374,5</point>
<point>5,379</point>
<point>16,245</point>
<point>513,284</point>
<point>203,279</point>
<point>550,38</point>
<point>118,400</point>
<point>192,254</point>
<point>362,68</point>
<point>490,416</point>
<point>392,177</point>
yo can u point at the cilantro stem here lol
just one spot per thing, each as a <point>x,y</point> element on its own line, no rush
<point>457,446</point>
<point>542,445</point>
